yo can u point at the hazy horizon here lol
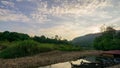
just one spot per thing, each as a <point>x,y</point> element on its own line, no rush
<point>65,18</point>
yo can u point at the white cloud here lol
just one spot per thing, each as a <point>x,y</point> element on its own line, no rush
<point>8,3</point>
<point>28,0</point>
<point>113,22</point>
<point>67,8</point>
<point>39,18</point>
<point>12,14</point>
<point>7,15</point>
<point>72,11</point>
<point>73,17</point>
<point>69,30</point>
<point>19,0</point>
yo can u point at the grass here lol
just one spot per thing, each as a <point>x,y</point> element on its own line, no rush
<point>30,47</point>
<point>4,44</point>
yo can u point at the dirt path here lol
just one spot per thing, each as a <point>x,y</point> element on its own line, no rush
<point>43,59</point>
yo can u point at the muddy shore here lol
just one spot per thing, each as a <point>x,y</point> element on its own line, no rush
<point>44,59</point>
<point>115,66</point>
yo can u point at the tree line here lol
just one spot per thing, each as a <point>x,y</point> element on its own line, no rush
<point>109,40</point>
<point>15,36</point>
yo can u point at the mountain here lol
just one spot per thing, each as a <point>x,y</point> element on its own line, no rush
<point>85,40</point>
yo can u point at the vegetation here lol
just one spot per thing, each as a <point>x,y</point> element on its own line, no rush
<point>109,40</point>
<point>13,45</point>
<point>14,36</point>
<point>86,41</point>
<point>56,40</point>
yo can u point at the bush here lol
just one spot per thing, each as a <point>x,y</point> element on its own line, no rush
<point>30,47</point>
<point>68,48</point>
<point>4,45</point>
<point>23,48</point>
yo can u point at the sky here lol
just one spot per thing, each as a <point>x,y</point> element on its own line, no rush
<point>65,18</point>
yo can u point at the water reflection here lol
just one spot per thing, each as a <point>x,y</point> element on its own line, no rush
<point>65,64</point>
<point>59,65</point>
<point>87,62</point>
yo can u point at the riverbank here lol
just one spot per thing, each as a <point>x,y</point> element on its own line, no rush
<point>44,59</point>
<point>115,66</point>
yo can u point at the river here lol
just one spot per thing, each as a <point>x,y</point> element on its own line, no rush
<point>68,64</point>
<point>108,62</point>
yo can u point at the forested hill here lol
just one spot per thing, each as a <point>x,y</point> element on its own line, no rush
<point>15,36</point>
<point>85,40</point>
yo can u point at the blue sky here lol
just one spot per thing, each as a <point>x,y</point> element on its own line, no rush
<point>66,18</point>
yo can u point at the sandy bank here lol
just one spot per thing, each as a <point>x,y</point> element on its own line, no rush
<point>43,59</point>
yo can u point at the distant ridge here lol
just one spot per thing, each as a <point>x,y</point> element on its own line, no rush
<point>85,40</point>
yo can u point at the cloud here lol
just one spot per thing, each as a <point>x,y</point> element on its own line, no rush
<point>39,18</point>
<point>7,3</point>
<point>66,18</point>
<point>67,8</point>
<point>19,0</point>
<point>113,22</point>
<point>27,0</point>
<point>68,30</point>
<point>9,12</point>
<point>7,15</point>
<point>77,17</point>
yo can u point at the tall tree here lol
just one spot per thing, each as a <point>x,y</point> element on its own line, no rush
<point>108,40</point>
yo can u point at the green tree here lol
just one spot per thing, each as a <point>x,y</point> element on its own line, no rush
<point>13,36</point>
<point>109,40</point>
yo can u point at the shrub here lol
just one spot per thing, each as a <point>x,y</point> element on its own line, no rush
<point>23,48</point>
<point>30,47</point>
<point>68,48</point>
<point>4,45</point>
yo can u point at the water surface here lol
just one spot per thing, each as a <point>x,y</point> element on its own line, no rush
<point>65,64</point>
